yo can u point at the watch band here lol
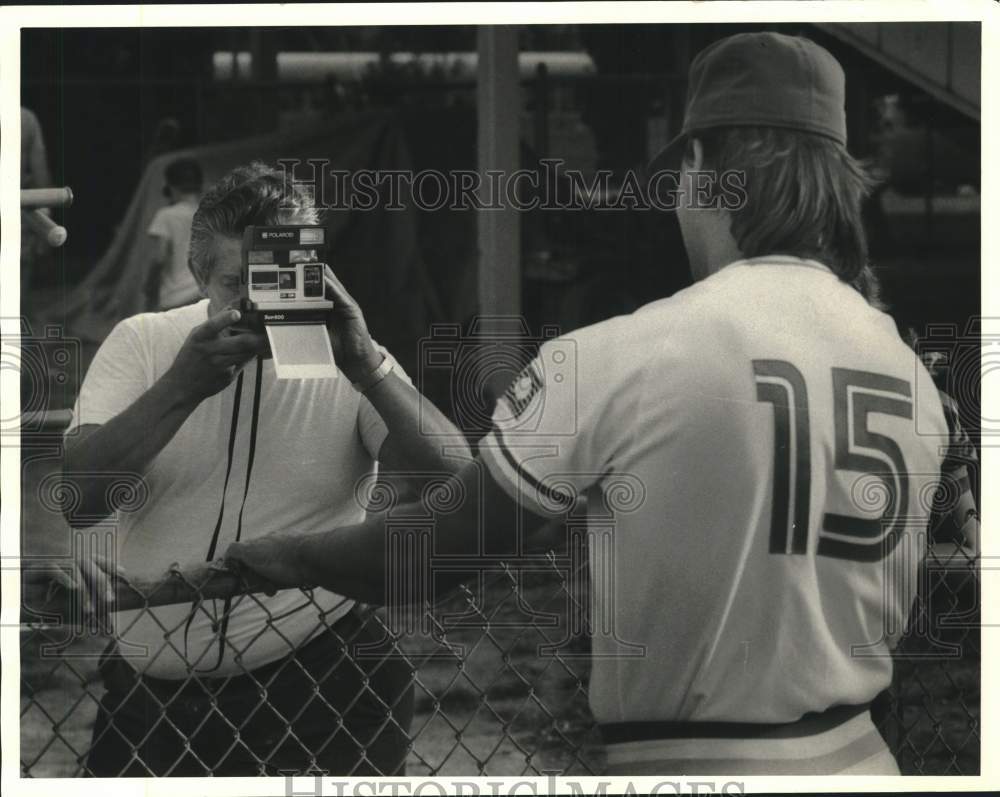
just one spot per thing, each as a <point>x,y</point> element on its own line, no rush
<point>366,383</point>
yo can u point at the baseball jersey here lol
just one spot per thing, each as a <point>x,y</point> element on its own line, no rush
<point>757,456</point>
<point>317,441</point>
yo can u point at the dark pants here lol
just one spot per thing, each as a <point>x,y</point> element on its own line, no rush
<point>323,712</point>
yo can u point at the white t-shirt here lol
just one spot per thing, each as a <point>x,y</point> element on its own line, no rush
<point>769,384</point>
<point>177,284</point>
<point>316,439</point>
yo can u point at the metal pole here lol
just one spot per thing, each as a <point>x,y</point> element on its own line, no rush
<point>499,224</point>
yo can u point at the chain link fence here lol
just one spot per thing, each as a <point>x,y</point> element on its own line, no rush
<point>499,669</point>
<point>486,701</point>
<point>930,717</point>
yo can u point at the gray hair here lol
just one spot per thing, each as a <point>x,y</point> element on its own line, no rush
<point>255,194</point>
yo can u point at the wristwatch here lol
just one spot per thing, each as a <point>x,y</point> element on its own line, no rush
<point>366,383</point>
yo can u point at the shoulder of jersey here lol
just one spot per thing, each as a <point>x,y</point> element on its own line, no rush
<point>643,325</point>
<point>606,334</point>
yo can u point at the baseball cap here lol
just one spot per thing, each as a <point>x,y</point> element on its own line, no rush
<point>766,79</point>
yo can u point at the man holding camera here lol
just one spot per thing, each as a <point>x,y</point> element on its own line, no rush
<point>255,684</point>
<point>770,414</point>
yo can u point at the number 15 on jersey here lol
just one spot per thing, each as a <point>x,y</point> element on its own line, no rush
<point>857,449</point>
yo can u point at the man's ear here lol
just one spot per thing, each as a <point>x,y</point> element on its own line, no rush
<point>694,157</point>
<point>202,285</point>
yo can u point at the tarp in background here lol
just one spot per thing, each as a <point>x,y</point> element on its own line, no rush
<point>375,252</point>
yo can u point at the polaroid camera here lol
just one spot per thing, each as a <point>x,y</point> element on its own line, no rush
<point>282,278</point>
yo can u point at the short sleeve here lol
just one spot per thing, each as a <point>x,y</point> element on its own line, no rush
<point>558,428</point>
<point>159,226</point>
<point>117,377</point>
<point>371,427</point>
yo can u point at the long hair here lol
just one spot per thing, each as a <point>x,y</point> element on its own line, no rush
<point>803,196</point>
<point>255,194</point>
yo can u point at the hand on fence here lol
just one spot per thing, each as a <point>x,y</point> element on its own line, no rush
<point>273,557</point>
<point>89,583</point>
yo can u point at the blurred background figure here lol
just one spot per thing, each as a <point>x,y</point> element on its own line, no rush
<point>170,282</point>
<point>35,173</point>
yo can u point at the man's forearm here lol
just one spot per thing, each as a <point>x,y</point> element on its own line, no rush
<point>419,433</point>
<point>355,561</point>
<point>377,562</point>
<point>349,561</point>
<point>127,443</point>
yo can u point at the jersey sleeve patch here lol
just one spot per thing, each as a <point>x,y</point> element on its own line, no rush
<point>521,400</point>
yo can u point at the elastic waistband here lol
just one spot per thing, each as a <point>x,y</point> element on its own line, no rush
<point>809,725</point>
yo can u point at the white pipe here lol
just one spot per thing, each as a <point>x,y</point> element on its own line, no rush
<point>316,67</point>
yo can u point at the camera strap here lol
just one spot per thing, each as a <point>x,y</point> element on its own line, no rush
<point>238,394</point>
<point>254,420</point>
<point>234,424</point>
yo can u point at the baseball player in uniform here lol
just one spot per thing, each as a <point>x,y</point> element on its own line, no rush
<point>783,444</point>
